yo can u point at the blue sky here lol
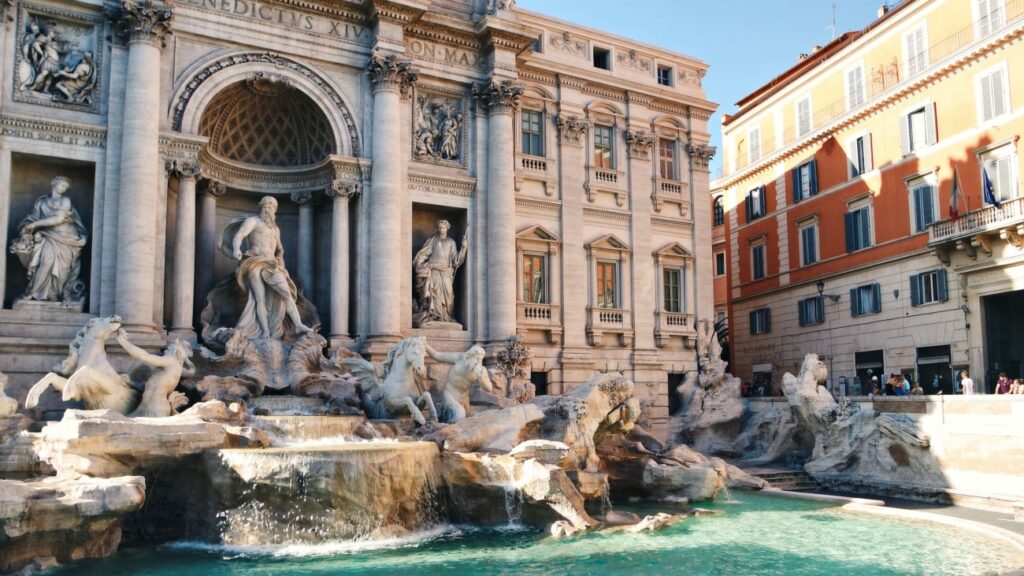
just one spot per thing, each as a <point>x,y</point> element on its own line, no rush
<point>745,42</point>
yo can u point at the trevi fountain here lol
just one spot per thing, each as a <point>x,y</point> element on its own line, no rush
<point>484,392</point>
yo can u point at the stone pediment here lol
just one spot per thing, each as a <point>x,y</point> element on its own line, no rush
<point>538,233</point>
<point>673,249</point>
<point>608,242</point>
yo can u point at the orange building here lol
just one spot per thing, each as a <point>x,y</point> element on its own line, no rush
<point>838,203</point>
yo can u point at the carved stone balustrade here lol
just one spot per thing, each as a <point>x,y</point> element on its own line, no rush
<point>543,317</point>
<point>669,324</point>
<point>603,321</point>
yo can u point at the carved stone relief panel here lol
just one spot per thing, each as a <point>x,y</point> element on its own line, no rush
<point>58,58</point>
<point>634,61</point>
<point>438,127</point>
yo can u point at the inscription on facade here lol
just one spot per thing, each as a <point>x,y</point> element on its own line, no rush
<point>29,134</point>
<point>446,54</point>
<point>269,14</point>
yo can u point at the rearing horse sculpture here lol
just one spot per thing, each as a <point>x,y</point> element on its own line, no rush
<point>399,392</point>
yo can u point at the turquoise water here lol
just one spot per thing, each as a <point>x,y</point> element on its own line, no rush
<point>758,535</point>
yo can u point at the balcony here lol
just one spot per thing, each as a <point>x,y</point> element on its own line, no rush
<point>606,180</point>
<point>603,321</point>
<point>541,317</point>
<point>670,192</point>
<point>976,228</point>
<point>538,169</point>
<point>669,324</point>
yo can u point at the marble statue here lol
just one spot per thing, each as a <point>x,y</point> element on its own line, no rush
<point>159,398</point>
<point>76,81</point>
<point>87,375</point>
<point>438,127</point>
<point>399,392</point>
<point>53,67</point>
<point>50,245</point>
<point>467,369</point>
<point>435,265</point>
<point>270,305</point>
<point>8,405</point>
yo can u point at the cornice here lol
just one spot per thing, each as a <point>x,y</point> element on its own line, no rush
<point>438,33</point>
<point>95,132</point>
<point>452,185</point>
<point>606,214</point>
<point>397,11</point>
<point>545,206</point>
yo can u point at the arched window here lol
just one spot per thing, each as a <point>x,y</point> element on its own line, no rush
<point>719,211</point>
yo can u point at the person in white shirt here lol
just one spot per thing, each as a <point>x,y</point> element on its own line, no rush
<point>966,384</point>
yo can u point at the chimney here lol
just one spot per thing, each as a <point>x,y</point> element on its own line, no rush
<point>883,10</point>
<point>815,48</point>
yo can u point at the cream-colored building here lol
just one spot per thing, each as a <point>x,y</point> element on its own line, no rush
<point>837,189</point>
<point>568,158</point>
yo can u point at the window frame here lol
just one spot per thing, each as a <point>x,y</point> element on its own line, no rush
<point>606,52</point>
<point>856,310</point>
<point>979,93</point>
<point>544,275</point>
<point>937,279</point>
<point>1003,150</point>
<point>751,156</point>
<point>798,180</point>
<point>863,96</point>
<point>914,183</point>
<point>674,160</point>
<point>598,128</point>
<point>921,29</point>
<point>602,264</point>
<point>858,169</point>
<point>718,212</point>
<point>929,127</point>
<point>810,116</point>
<point>760,321</point>
<point>724,267</point>
<point>754,260</point>
<point>539,135</point>
<point>807,224</point>
<point>671,75</point>
<point>819,310</point>
<point>680,306</point>
<point>854,206</point>
<point>762,203</point>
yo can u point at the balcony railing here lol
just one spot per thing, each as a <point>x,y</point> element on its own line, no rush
<point>543,317</point>
<point>604,176</point>
<point>888,77</point>
<point>531,164</point>
<point>612,321</point>
<point>668,324</point>
<point>986,219</point>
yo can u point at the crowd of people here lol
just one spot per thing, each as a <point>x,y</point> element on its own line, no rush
<point>901,385</point>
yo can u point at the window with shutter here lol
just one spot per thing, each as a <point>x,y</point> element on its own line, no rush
<point>809,244</point>
<point>915,290</point>
<point>858,227</point>
<point>916,132</point>
<point>761,321</point>
<point>854,87</point>
<point>754,146</point>
<point>866,300</point>
<point>860,155</point>
<point>803,116</point>
<point>916,51</point>
<point>929,287</point>
<point>999,165</point>
<point>923,197</point>
<point>757,261</point>
<point>992,95</point>
<point>811,310</point>
<point>990,16</point>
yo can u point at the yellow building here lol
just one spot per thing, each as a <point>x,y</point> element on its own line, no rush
<point>838,196</point>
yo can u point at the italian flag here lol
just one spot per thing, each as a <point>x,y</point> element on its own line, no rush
<point>954,198</point>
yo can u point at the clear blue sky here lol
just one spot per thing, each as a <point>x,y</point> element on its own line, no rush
<point>745,42</point>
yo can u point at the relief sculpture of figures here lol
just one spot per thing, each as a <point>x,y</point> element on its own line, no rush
<point>53,67</point>
<point>435,265</point>
<point>438,129</point>
<point>50,245</point>
<point>467,369</point>
<point>255,242</point>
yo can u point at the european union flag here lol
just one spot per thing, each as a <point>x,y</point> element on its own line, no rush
<point>987,191</point>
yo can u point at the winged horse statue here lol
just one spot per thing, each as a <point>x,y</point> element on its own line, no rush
<point>399,392</point>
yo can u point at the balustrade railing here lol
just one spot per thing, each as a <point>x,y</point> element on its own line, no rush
<point>977,221</point>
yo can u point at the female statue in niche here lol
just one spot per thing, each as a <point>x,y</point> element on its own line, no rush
<point>435,265</point>
<point>50,247</point>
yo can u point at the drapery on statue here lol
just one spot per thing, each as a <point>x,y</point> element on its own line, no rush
<point>435,265</point>
<point>260,286</point>
<point>467,369</point>
<point>50,247</point>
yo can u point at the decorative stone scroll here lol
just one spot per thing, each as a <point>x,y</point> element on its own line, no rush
<point>498,96</point>
<point>701,155</point>
<point>639,143</point>
<point>388,72</point>
<point>57,61</point>
<point>438,129</point>
<point>571,129</point>
<point>142,21</point>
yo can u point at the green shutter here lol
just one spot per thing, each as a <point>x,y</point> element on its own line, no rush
<point>915,290</point>
<point>943,287</point>
<point>796,185</point>
<point>812,170</point>
<point>854,303</point>
<point>876,296</point>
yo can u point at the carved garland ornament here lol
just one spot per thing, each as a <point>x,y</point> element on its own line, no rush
<point>701,155</point>
<point>142,21</point>
<point>388,72</point>
<point>571,129</point>
<point>277,61</point>
<point>498,96</point>
<point>182,169</point>
<point>639,143</point>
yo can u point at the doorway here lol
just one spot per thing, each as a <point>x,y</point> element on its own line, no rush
<point>1004,340</point>
<point>935,369</point>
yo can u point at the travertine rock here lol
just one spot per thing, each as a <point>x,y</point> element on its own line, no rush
<point>64,519</point>
<point>544,451</point>
<point>103,443</point>
<point>495,432</point>
<point>710,417</point>
<point>685,473</point>
<point>8,405</point>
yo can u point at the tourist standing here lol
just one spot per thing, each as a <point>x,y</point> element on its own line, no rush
<point>966,384</point>
<point>906,385</point>
<point>1003,384</point>
<point>917,390</point>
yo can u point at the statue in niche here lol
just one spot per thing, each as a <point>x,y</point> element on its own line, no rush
<point>50,245</point>
<point>467,369</point>
<point>270,295</point>
<point>53,67</point>
<point>438,129</point>
<point>435,265</point>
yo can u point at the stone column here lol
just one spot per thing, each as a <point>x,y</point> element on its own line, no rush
<point>390,78</point>
<point>207,253</point>
<point>305,202</point>
<point>500,98</point>
<point>144,24</point>
<point>184,270</point>
<point>340,192</point>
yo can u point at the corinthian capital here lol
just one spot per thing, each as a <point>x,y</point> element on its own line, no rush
<point>388,72</point>
<point>701,155</point>
<point>498,96</point>
<point>142,21</point>
<point>184,169</point>
<point>344,188</point>
<point>571,129</point>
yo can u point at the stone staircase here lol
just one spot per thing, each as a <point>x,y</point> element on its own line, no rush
<point>787,479</point>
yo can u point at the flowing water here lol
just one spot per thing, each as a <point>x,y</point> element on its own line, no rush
<point>760,535</point>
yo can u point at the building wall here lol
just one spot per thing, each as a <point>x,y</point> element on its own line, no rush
<point>958,55</point>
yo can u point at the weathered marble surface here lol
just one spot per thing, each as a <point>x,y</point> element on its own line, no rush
<point>64,519</point>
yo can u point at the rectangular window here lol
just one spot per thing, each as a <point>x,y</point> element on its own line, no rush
<point>719,211</point>
<point>667,159</point>
<point>990,16</point>
<point>811,310</point>
<point>809,244</point>
<point>533,132</point>
<point>538,44</point>
<point>858,227</point>
<point>860,155</point>
<point>866,300</point>
<point>803,116</point>
<point>719,263</point>
<point>757,261</point>
<point>998,168</point>
<point>754,148</point>
<point>854,87</point>
<point>757,203</point>
<point>534,273</point>
<point>915,45</point>
<point>604,147</point>
<point>922,194</point>
<point>805,181</point>
<point>929,287</point>
<point>993,98</point>
<point>602,58</point>
<point>665,75</point>
<point>607,285</point>
<point>761,321</point>
<point>673,289</point>
<point>917,129</point>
